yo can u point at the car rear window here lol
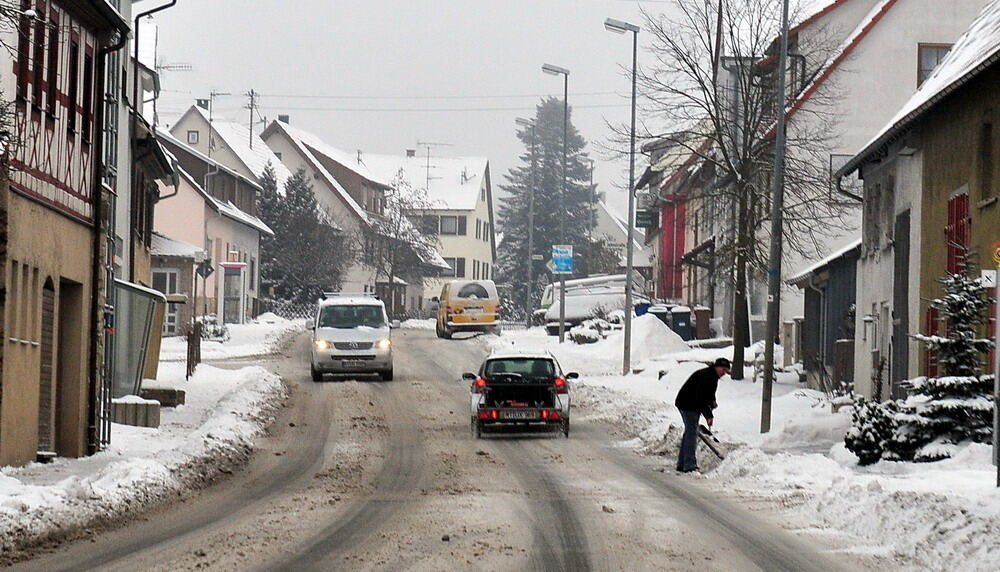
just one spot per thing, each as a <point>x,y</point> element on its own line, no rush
<point>473,291</point>
<point>525,367</point>
<point>351,316</point>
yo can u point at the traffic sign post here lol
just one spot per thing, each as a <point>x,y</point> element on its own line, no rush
<point>562,264</point>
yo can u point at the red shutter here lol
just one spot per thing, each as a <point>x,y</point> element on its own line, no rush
<point>957,232</point>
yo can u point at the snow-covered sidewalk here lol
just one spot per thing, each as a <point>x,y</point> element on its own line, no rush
<point>224,411</point>
<point>263,336</point>
<point>943,515</point>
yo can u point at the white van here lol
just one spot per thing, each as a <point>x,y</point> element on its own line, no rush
<point>351,335</point>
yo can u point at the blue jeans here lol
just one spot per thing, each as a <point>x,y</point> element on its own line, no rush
<point>686,459</point>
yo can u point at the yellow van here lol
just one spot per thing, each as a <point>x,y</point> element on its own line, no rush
<point>468,306</point>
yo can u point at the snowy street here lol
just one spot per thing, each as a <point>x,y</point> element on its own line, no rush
<point>386,474</point>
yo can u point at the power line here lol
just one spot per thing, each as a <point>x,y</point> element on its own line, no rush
<point>422,97</point>
<point>431,109</point>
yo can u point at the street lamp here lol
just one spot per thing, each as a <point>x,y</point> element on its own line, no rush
<point>620,27</point>
<point>556,70</point>
<point>531,221</point>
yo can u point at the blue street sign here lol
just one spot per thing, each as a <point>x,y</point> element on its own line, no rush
<point>562,258</point>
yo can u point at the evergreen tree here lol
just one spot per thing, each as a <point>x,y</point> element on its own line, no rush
<point>956,406</point>
<point>558,219</point>
<point>872,427</point>
<point>306,255</point>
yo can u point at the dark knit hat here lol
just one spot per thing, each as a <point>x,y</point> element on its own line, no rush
<point>723,362</point>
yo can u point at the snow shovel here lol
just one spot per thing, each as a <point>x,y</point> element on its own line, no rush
<point>710,441</point>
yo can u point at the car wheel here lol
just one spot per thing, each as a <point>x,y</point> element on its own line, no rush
<point>386,375</point>
<point>316,376</point>
<point>565,427</point>
<point>477,428</point>
<point>437,329</point>
<point>446,333</point>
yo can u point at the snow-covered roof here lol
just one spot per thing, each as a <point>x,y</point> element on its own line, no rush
<point>163,245</point>
<point>168,136</point>
<point>237,137</point>
<point>976,50</point>
<point>454,184</point>
<point>348,160</point>
<point>804,273</point>
<point>307,151</point>
<point>226,208</point>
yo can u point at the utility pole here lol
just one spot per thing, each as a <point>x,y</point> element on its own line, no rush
<point>252,106</point>
<point>777,225</point>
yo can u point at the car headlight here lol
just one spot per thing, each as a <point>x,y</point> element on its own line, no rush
<point>383,344</point>
<point>322,345</point>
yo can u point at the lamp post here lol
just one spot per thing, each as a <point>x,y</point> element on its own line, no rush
<point>620,27</point>
<point>531,222</point>
<point>556,70</point>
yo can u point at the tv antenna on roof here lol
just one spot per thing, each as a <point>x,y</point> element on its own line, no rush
<point>427,145</point>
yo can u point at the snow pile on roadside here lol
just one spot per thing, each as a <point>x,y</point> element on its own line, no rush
<point>225,411</point>
<point>417,324</point>
<point>942,515</point>
<point>262,337</point>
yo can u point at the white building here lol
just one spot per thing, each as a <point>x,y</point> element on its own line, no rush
<point>460,210</point>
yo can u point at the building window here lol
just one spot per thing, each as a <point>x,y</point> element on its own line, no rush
<point>38,58</point>
<point>23,51</point>
<point>475,270</point>
<point>486,232</point>
<point>928,58</point>
<point>457,268</point>
<point>53,70</point>
<point>449,225</point>
<point>192,137</point>
<point>88,97</point>
<point>957,232</point>
<point>74,85</point>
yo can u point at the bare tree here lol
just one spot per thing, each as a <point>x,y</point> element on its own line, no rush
<point>397,248</point>
<point>711,83</point>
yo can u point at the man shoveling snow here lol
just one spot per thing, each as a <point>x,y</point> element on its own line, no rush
<point>697,398</point>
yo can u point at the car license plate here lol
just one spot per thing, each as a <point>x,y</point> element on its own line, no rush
<point>478,309</point>
<point>352,363</point>
<point>519,414</point>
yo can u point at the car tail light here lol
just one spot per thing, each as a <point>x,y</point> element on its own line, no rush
<point>552,415</point>
<point>479,385</point>
<point>447,309</point>
<point>561,386</point>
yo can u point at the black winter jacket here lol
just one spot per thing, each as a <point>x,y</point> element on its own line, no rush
<point>698,392</point>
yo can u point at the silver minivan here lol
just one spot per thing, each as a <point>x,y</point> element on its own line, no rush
<point>351,335</point>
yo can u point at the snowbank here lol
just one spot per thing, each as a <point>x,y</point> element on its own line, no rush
<point>415,324</point>
<point>263,337</point>
<point>942,515</point>
<point>225,411</point>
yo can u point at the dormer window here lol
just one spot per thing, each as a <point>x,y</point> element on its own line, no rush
<point>193,137</point>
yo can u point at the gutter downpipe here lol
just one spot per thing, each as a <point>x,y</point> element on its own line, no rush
<point>95,389</point>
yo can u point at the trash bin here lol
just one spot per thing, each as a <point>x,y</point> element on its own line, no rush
<point>641,308</point>
<point>680,322</point>
<point>661,312</point>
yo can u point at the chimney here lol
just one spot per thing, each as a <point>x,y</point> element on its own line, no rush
<point>411,152</point>
<point>360,162</point>
<point>282,117</point>
<point>202,103</point>
<point>465,175</point>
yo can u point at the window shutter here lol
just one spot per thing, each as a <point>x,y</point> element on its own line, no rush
<point>460,267</point>
<point>462,223</point>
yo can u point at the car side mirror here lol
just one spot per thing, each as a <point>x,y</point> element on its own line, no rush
<point>312,327</point>
<point>469,376</point>
<point>435,299</point>
<point>572,375</point>
<point>394,324</point>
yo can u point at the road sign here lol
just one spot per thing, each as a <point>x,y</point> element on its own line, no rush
<point>562,258</point>
<point>996,252</point>
<point>988,278</point>
<point>551,266</point>
<point>537,257</point>
<point>205,269</point>
<point>644,218</point>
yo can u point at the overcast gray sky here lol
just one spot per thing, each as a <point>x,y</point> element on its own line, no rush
<point>385,63</point>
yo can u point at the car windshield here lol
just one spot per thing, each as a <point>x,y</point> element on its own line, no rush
<point>473,291</point>
<point>525,367</point>
<point>351,316</point>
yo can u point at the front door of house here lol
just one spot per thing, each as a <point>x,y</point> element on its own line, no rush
<point>232,291</point>
<point>166,281</point>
